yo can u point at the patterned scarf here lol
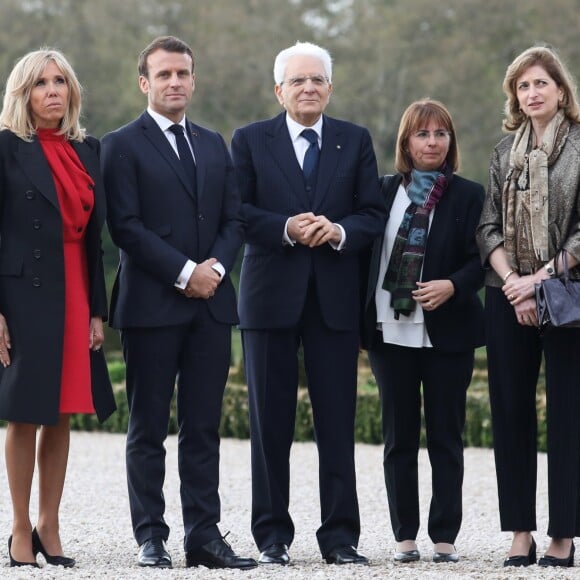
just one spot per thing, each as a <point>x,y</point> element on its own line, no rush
<point>526,197</point>
<point>424,189</point>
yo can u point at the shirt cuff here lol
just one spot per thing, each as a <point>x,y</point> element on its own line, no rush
<point>218,267</point>
<point>286,240</point>
<point>338,247</point>
<point>185,274</point>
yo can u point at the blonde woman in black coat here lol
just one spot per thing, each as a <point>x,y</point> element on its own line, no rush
<point>52,291</point>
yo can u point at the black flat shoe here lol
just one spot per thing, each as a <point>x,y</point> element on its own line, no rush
<point>547,561</point>
<point>37,548</point>
<point>14,563</point>
<point>218,554</point>
<point>443,557</point>
<point>523,560</point>
<point>345,555</point>
<point>275,554</point>
<point>153,554</point>
<point>407,556</point>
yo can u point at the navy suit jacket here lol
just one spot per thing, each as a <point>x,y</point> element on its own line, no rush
<point>159,222</point>
<point>451,253</point>
<point>275,277</point>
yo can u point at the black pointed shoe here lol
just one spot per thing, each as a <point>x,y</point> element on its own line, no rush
<point>547,561</point>
<point>14,563</point>
<point>275,554</point>
<point>444,557</point>
<point>154,554</point>
<point>218,554</point>
<point>38,548</point>
<point>345,555</point>
<point>527,560</point>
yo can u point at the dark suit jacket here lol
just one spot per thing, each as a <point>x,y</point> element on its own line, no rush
<point>451,253</point>
<point>159,223</point>
<point>32,281</point>
<point>275,278</point>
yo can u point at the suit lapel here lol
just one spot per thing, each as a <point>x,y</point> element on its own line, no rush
<point>154,134</point>
<point>200,156</point>
<point>90,160</point>
<point>35,166</point>
<point>280,147</point>
<point>330,153</point>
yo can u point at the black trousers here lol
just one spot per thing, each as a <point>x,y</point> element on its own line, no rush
<point>400,371</point>
<point>514,355</point>
<point>197,355</point>
<point>271,363</point>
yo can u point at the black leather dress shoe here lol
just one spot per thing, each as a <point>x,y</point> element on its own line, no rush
<point>218,554</point>
<point>345,555</point>
<point>547,561</point>
<point>527,560</point>
<point>153,554</point>
<point>275,554</point>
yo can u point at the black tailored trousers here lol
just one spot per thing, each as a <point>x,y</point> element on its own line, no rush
<point>271,365</point>
<point>196,355</point>
<point>400,372</point>
<point>514,356</point>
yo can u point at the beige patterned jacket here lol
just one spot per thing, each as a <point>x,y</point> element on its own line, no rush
<point>564,208</point>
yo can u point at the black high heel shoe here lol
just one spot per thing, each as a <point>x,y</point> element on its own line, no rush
<point>37,547</point>
<point>527,560</point>
<point>547,561</point>
<point>14,562</point>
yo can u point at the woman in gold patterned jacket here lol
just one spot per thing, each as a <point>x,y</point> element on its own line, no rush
<point>531,213</point>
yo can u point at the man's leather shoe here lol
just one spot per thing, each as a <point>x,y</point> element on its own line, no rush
<point>345,555</point>
<point>153,554</point>
<point>275,554</point>
<point>218,554</point>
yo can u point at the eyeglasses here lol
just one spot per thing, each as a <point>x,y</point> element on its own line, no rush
<point>439,135</point>
<point>317,80</point>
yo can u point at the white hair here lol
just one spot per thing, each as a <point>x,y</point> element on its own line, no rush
<point>301,49</point>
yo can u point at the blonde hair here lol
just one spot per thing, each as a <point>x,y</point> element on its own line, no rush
<point>417,116</point>
<point>16,113</point>
<point>549,60</point>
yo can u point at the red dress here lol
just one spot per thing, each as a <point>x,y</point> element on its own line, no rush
<point>74,188</point>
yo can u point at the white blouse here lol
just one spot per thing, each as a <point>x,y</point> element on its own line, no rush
<point>407,330</point>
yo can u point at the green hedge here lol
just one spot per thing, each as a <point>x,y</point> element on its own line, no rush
<point>368,419</point>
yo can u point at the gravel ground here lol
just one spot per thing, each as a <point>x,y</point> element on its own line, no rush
<point>96,528</point>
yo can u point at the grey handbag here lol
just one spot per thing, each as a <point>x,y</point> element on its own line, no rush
<point>558,299</point>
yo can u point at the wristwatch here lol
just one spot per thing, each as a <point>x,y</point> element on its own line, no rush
<point>550,270</point>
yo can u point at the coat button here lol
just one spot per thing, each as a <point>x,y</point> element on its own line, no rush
<point>86,207</point>
<point>36,253</point>
<point>36,282</point>
<point>30,194</point>
<point>91,186</point>
<point>79,229</point>
<point>36,224</point>
<point>200,217</point>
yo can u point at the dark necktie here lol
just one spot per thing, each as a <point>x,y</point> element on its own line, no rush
<point>185,155</point>
<point>311,158</point>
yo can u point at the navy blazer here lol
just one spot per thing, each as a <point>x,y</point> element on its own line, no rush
<point>159,222</point>
<point>275,277</point>
<point>451,253</point>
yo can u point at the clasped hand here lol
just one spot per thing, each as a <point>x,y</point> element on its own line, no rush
<point>203,281</point>
<point>521,294</point>
<point>313,230</point>
<point>430,295</point>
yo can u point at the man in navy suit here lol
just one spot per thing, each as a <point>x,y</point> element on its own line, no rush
<point>311,201</point>
<point>174,212</point>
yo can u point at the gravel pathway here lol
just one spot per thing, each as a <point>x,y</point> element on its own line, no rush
<point>96,528</point>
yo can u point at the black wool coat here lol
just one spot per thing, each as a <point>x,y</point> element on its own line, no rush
<point>32,281</point>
